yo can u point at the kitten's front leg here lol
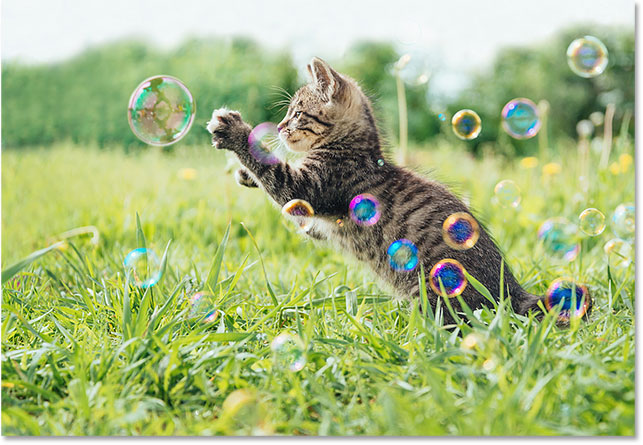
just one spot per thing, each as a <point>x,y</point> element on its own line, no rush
<point>244,179</point>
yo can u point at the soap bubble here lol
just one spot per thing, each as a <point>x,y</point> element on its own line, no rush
<point>451,273</point>
<point>402,255</point>
<point>507,193</point>
<point>520,118</point>
<point>587,56</point>
<point>442,117</point>
<point>559,238</point>
<point>202,307</point>
<point>263,139</point>
<point>364,209</point>
<point>301,210</point>
<point>624,221</point>
<point>619,253</point>
<point>380,162</point>
<point>562,291</point>
<point>288,352</point>
<point>161,110</point>
<point>143,267</point>
<point>592,221</point>
<point>460,231</point>
<point>466,124</point>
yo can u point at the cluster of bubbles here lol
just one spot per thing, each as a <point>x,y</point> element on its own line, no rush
<point>460,231</point>
<point>143,267</point>
<point>587,56</point>
<point>161,110</point>
<point>262,140</point>
<point>301,211</point>
<point>201,307</point>
<point>507,193</point>
<point>569,297</point>
<point>448,274</point>
<point>288,352</point>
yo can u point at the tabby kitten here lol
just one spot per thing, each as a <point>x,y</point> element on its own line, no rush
<point>331,121</point>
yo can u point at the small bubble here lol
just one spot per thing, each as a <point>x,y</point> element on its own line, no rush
<point>561,292</point>
<point>520,118</point>
<point>451,273</point>
<point>202,307</point>
<point>301,211</point>
<point>143,267</point>
<point>507,193</point>
<point>161,110</point>
<point>466,124</point>
<point>559,238</point>
<point>442,117</point>
<point>288,352</point>
<point>592,221</point>
<point>364,209</point>
<point>380,162</point>
<point>460,231</point>
<point>587,56</point>
<point>340,222</point>
<point>263,139</point>
<point>624,221</point>
<point>402,255</point>
<point>619,253</point>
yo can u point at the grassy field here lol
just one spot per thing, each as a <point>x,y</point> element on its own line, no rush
<point>83,353</point>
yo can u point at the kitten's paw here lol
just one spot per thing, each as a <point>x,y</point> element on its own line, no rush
<point>244,179</point>
<point>228,130</point>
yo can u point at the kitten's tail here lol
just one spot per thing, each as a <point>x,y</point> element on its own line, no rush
<point>527,302</point>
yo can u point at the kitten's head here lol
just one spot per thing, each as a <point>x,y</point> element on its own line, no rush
<point>328,109</point>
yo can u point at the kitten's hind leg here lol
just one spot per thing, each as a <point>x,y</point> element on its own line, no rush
<point>243,178</point>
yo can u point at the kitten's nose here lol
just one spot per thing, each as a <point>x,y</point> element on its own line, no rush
<point>281,126</point>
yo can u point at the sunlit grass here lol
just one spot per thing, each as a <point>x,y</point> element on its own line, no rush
<point>83,353</point>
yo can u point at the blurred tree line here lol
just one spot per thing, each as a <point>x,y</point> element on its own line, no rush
<point>85,99</point>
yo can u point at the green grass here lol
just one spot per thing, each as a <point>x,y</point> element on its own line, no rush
<point>84,353</point>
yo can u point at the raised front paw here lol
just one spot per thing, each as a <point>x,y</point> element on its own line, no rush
<point>243,178</point>
<point>228,130</point>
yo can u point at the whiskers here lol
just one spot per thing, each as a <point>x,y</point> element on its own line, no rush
<point>285,96</point>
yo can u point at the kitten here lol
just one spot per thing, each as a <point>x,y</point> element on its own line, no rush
<point>331,121</point>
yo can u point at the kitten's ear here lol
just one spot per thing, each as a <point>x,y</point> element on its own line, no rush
<point>326,79</point>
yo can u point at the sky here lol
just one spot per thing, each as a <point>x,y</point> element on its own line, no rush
<point>461,34</point>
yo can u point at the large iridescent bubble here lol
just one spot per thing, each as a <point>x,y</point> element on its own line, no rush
<point>161,110</point>
<point>288,352</point>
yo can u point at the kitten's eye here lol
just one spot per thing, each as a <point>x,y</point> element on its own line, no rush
<point>297,114</point>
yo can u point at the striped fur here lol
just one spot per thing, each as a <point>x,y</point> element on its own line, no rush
<point>331,120</point>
